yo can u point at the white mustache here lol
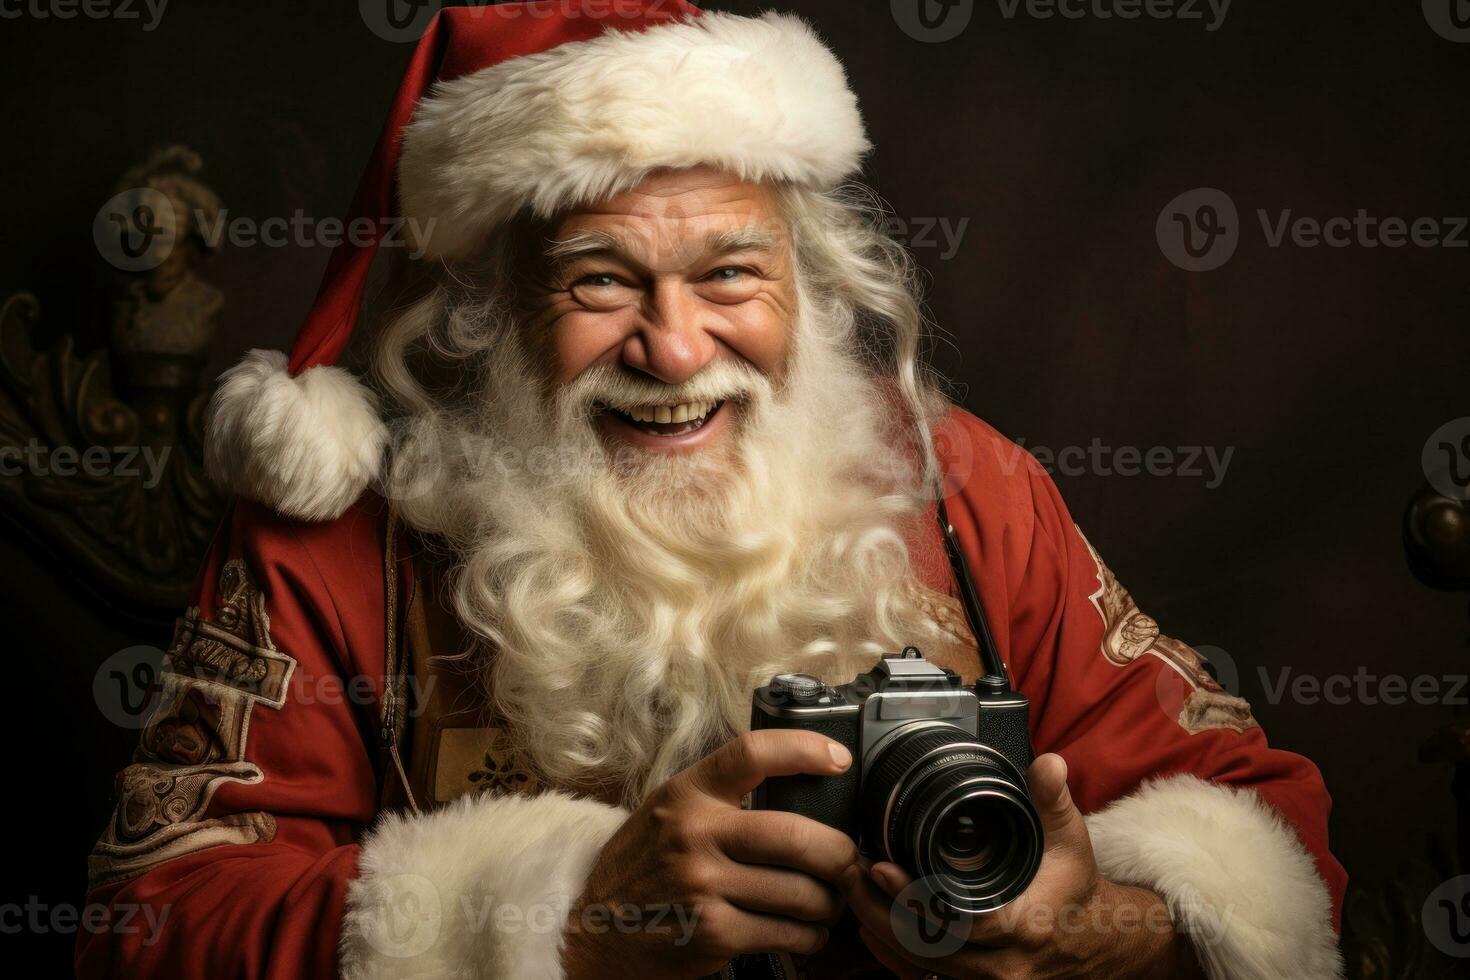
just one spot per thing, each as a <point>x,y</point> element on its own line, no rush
<point>605,384</point>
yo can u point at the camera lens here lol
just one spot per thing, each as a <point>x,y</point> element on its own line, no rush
<point>956,813</point>
<point>963,845</point>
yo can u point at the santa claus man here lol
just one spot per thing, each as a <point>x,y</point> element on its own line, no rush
<point>466,686</point>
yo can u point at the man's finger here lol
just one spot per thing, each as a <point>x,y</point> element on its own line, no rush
<point>754,932</point>
<point>786,840</point>
<point>1061,821</point>
<point>890,877</point>
<point>744,763</point>
<point>777,891</point>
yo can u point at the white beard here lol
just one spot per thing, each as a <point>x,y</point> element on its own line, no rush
<point>633,608</point>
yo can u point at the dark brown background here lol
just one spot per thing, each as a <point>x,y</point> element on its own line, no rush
<point>1060,141</point>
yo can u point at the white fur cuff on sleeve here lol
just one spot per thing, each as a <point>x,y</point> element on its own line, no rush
<point>1234,875</point>
<point>478,889</point>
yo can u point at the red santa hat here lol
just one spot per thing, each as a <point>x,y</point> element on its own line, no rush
<point>537,106</point>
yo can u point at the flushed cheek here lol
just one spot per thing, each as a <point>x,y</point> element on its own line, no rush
<point>760,332</point>
<point>581,339</point>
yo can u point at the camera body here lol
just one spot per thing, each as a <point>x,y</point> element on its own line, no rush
<point>938,780</point>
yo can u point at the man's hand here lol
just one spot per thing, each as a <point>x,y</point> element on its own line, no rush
<point>1069,923</point>
<point>737,881</point>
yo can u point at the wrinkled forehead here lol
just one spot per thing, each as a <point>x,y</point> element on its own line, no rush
<point>673,217</point>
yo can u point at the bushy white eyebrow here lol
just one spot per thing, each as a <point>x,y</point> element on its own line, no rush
<point>564,251</point>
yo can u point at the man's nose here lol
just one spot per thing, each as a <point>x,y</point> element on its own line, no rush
<point>672,341</point>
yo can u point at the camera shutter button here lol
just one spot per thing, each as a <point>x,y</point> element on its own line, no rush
<point>800,688</point>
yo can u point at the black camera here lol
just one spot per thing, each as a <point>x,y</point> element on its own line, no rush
<point>938,780</point>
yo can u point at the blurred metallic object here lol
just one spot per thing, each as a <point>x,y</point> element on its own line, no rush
<point>1384,934</point>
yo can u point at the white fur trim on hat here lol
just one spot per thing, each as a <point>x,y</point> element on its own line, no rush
<point>1234,875</point>
<point>761,97</point>
<point>307,446</point>
<point>479,889</point>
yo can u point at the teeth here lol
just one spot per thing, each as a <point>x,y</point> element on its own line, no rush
<point>669,414</point>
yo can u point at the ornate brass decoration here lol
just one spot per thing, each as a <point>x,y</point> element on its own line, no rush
<point>235,650</point>
<point>1129,633</point>
<point>101,457</point>
<point>216,671</point>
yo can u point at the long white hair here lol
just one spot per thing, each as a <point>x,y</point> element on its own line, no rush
<point>627,607</point>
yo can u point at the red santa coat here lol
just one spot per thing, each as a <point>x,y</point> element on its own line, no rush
<point>251,812</point>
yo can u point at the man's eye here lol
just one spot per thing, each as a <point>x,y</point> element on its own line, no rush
<point>730,284</point>
<point>603,291</point>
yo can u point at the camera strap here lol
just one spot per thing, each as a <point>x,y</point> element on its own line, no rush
<point>996,679</point>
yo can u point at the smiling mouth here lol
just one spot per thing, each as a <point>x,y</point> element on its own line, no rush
<point>667,420</point>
